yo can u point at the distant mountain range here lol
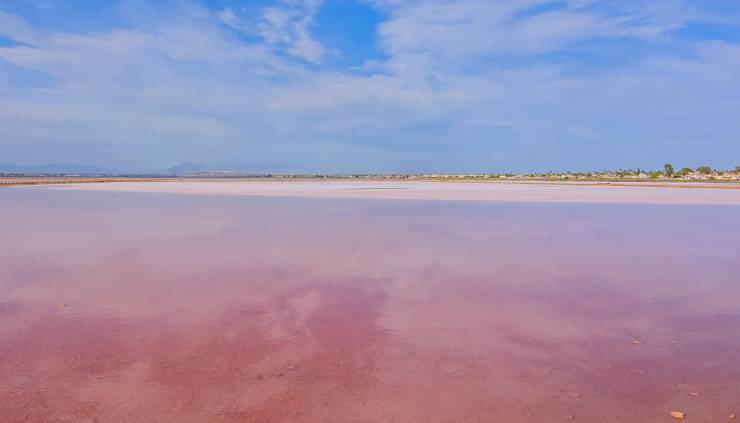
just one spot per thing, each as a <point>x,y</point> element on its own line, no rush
<point>56,168</point>
<point>185,168</point>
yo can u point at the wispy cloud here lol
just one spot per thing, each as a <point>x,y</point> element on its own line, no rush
<point>15,28</point>
<point>476,28</point>
<point>285,27</point>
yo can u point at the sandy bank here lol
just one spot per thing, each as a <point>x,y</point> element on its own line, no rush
<point>419,190</point>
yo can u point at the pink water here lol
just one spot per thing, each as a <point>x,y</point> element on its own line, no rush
<point>131,307</point>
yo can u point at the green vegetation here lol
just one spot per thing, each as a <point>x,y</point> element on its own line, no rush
<point>668,169</point>
<point>704,170</point>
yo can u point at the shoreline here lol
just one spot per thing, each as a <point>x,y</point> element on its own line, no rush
<point>519,191</point>
<point>56,180</point>
<point>25,181</point>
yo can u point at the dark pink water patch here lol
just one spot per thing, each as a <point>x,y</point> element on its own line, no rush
<point>158,308</point>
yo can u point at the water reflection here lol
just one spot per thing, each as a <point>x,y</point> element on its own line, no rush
<point>144,307</point>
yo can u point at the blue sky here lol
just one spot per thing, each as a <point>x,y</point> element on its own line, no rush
<point>371,85</point>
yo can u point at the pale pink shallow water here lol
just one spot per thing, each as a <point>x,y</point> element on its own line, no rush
<point>548,192</point>
<point>187,308</point>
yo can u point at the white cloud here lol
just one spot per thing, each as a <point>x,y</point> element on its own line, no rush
<point>452,31</point>
<point>285,27</point>
<point>231,19</point>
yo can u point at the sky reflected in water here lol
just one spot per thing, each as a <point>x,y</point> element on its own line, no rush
<point>187,308</point>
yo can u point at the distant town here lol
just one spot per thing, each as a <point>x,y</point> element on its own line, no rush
<point>668,173</point>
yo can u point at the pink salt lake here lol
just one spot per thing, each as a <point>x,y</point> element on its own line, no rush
<point>125,306</point>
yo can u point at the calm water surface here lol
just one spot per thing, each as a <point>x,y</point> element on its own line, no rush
<point>185,308</point>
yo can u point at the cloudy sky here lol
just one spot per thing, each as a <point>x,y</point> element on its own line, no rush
<point>371,85</point>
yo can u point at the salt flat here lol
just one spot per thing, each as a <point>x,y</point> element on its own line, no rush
<point>432,190</point>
